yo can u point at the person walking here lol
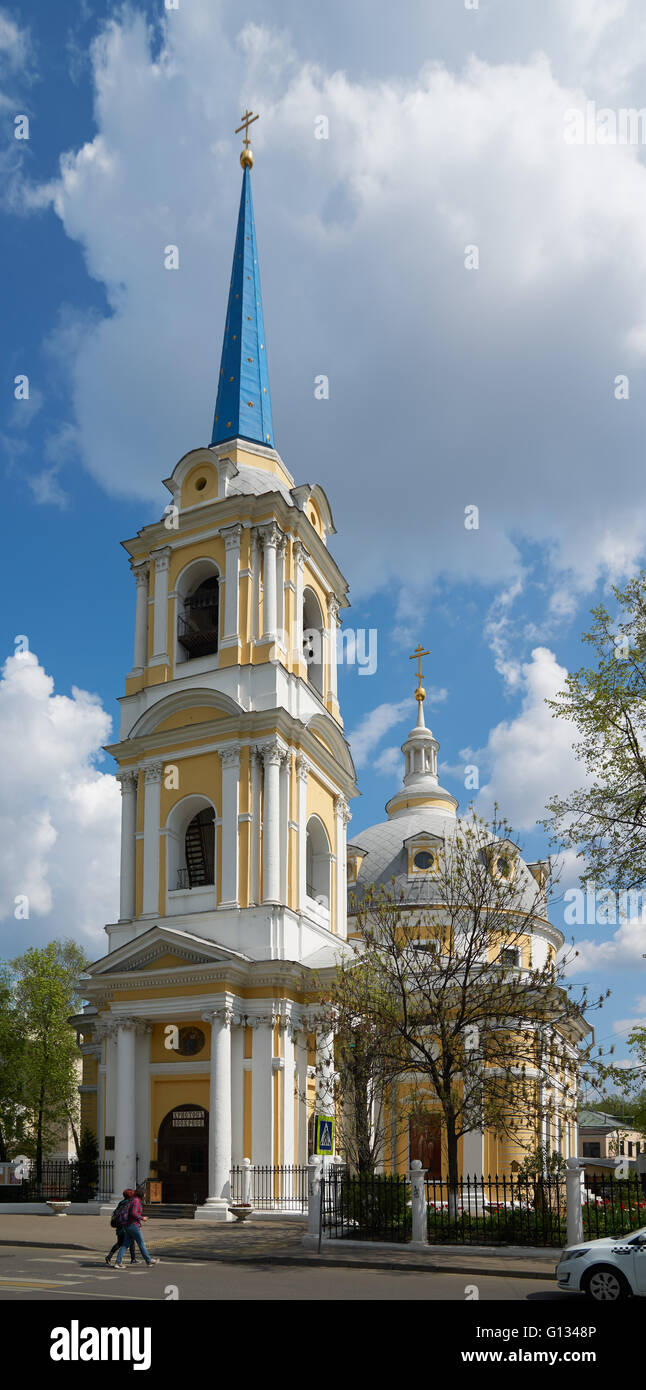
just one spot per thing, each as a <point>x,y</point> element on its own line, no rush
<point>119,1211</point>
<point>131,1220</point>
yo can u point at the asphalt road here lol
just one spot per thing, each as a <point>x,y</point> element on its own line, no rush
<point>57,1276</point>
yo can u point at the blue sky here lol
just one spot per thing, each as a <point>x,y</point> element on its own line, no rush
<point>448,387</point>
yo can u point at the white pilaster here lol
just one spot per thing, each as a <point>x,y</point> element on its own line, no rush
<point>289,1080</point>
<point>271,756</point>
<point>230,759</point>
<point>301,1090</point>
<point>254,828</point>
<point>284,824</point>
<point>332,625</point>
<point>232,534</point>
<point>280,588</point>
<point>342,816</point>
<point>140,572</point>
<point>237,1096</point>
<point>270,537</point>
<point>255,584</point>
<point>128,781</point>
<point>303,767</point>
<point>124,1141</point>
<point>262,1089</point>
<point>217,1202</point>
<point>152,797</point>
<point>300,555</point>
<point>160,620</point>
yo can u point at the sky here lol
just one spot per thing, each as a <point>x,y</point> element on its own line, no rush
<point>471,280</point>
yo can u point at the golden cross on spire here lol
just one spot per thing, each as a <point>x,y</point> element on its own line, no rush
<point>247,120</point>
<point>417,656</point>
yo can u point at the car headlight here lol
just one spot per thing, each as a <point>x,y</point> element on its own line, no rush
<point>573,1254</point>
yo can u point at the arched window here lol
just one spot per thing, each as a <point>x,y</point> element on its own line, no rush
<point>190,854</point>
<point>199,850</point>
<point>313,639</point>
<point>198,605</point>
<point>317,863</point>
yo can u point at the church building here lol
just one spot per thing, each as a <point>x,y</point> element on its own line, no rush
<point>236,779</point>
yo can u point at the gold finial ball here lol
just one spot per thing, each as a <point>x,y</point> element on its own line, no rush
<point>246,159</point>
<point>420,693</point>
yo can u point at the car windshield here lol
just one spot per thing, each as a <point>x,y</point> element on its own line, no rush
<point>636,1236</point>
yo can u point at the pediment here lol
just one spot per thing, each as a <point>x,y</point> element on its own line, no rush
<point>162,949</point>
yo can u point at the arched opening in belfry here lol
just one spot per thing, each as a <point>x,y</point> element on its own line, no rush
<point>198,618</point>
<point>313,639</point>
<point>199,850</point>
<point>317,863</point>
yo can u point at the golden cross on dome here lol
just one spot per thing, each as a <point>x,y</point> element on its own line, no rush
<point>247,120</point>
<point>417,656</point>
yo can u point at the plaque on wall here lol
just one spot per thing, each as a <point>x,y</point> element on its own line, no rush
<point>109,1141</point>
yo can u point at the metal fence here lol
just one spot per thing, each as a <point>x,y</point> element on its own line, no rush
<point>517,1210</point>
<point>64,1181</point>
<point>614,1206</point>
<point>279,1188</point>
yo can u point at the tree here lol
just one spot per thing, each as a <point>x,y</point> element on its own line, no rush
<point>45,990</point>
<point>605,821</point>
<point>88,1165</point>
<point>12,1050</point>
<point>462,1003</point>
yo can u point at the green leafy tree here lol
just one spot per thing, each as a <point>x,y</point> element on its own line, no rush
<point>13,1135</point>
<point>471,1029</point>
<point>605,820</point>
<point>45,990</point>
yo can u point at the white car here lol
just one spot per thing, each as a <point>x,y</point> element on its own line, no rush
<point>606,1269</point>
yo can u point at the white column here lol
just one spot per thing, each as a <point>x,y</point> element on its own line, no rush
<point>271,756</point>
<point>237,1094</point>
<point>128,781</point>
<point>342,816</point>
<point>573,1198</point>
<point>254,828</point>
<point>303,767</point>
<point>255,584</point>
<point>300,555</point>
<point>152,775</point>
<point>124,1141</point>
<point>289,1078</point>
<point>284,823</point>
<point>160,620</point>
<point>217,1203</point>
<point>262,1089</point>
<point>232,534</point>
<point>270,538</point>
<point>280,590</point>
<point>230,759</point>
<point>301,1088</point>
<point>416,1177</point>
<point>332,624</point>
<point>140,572</point>
<point>324,1071</point>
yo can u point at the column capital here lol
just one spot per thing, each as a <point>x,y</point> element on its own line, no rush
<point>131,1023</point>
<point>300,553</point>
<point>140,569</point>
<point>333,609</point>
<point>230,754</point>
<point>153,772</point>
<point>127,780</point>
<point>303,766</point>
<point>270,534</point>
<point>282,544</point>
<point>272,752</point>
<point>231,535</point>
<point>266,1020</point>
<point>225,1015</point>
<point>162,558</point>
<point>342,809</point>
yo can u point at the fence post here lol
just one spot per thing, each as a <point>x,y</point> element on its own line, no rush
<point>573,1202</point>
<point>246,1181</point>
<point>311,1237</point>
<point>417,1176</point>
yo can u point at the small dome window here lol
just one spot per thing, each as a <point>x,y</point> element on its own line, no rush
<point>423,859</point>
<point>200,485</point>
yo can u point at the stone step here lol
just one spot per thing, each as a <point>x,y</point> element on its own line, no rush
<point>169,1210</point>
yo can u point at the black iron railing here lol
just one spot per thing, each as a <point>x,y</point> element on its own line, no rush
<point>365,1206</point>
<point>63,1181</point>
<point>279,1188</point>
<point>516,1210</point>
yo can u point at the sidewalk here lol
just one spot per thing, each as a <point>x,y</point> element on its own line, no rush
<point>272,1242</point>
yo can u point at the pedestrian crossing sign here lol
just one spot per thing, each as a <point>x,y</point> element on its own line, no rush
<point>324,1135</point>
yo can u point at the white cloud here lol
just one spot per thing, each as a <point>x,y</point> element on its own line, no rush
<point>414,170</point>
<point>372,727</point>
<point>59,833</point>
<point>530,758</point>
<point>624,950</point>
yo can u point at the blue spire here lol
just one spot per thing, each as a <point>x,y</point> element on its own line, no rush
<point>243,406</point>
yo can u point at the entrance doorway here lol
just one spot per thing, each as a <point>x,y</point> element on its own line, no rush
<point>425,1142</point>
<point>183,1154</point>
